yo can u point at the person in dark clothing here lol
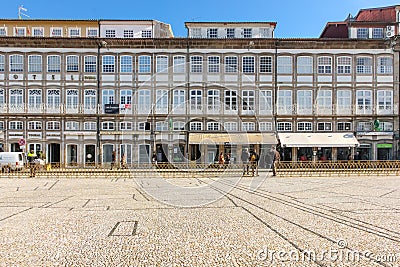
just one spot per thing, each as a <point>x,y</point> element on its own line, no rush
<point>245,160</point>
<point>254,158</point>
<point>113,159</point>
<point>276,159</point>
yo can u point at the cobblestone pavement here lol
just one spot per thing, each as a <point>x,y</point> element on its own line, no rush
<point>327,221</point>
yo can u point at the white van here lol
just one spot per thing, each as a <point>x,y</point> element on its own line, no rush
<point>12,160</point>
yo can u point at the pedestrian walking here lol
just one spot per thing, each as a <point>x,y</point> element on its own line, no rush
<point>245,160</point>
<point>31,157</point>
<point>275,160</point>
<point>254,158</point>
<point>113,159</point>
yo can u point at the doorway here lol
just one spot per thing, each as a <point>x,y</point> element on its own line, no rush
<point>15,147</point>
<point>72,154</point>
<point>54,153</point>
<point>90,154</point>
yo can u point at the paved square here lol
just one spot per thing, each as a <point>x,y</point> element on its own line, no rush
<point>337,221</point>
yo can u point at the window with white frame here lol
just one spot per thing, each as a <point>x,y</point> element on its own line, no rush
<point>195,33</point>
<point>108,96</point>
<point>344,105</point>
<point>35,63</point>
<point>248,64</point>
<point>2,63</point>
<point>37,32</point>
<point>213,64</point>
<point>362,33</point>
<point>304,102</point>
<point>72,63</point>
<point>265,32</point>
<point>265,64</point>
<point>161,101</point>
<point>377,33</point>
<point>16,125</point>
<point>178,100</point>
<point>196,64</point>
<point>213,126</point>
<point>231,64</point>
<point>324,65</point>
<point>53,64</point>
<point>285,104</point>
<point>248,126</point>
<point>265,126</point>
<point>3,31</point>
<point>129,34</point>
<point>125,98</point>
<point>1,125</point>
<point>147,34</point>
<point>144,64</point>
<point>20,31</point>
<point>344,126</point>
<point>110,33</point>
<point>53,125</point>
<point>386,126</point>
<point>304,65</point>
<point>108,64</point>
<point>162,64</point>
<point>284,65</point>
<point>265,102</point>
<point>34,98</point>
<point>34,125</point>
<point>284,126</point>
<point>324,126</point>
<point>385,65</point>
<point>72,126</point>
<point>2,99</point>
<point>324,101</point>
<point>74,32</point>
<point>364,126</point>
<point>91,32</point>
<point>162,126</point>
<point>125,64</point>
<point>212,33</point>
<point>248,99</point>
<point>385,101</point>
<point>304,126</point>
<point>230,126</point>
<point>108,125</point>
<point>364,101</point>
<point>195,100</point>
<point>230,33</point>
<point>125,126</point>
<point>16,63</point>
<point>16,97</point>
<point>230,100</point>
<point>364,65</point>
<point>90,64</point>
<point>144,101</point>
<point>90,126</point>
<point>179,64</point>
<point>141,126</point>
<point>72,99</point>
<point>213,100</point>
<point>56,32</point>
<point>344,65</point>
<point>247,33</point>
<point>53,98</point>
<point>90,99</point>
<point>196,126</point>
<point>179,126</point>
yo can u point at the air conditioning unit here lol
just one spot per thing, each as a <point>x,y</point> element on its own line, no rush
<point>389,31</point>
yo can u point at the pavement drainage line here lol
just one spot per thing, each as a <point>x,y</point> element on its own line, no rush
<point>295,224</point>
<point>12,215</point>
<point>53,184</point>
<point>51,204</point>
<point>380,231</point>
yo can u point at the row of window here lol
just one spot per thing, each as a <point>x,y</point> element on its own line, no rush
<point>231,101</point>
<point>230,33</point>
<point>71,32</point>
<point>214,64</point>
<point>198,126</point>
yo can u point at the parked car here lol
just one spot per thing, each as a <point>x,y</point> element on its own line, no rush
<point>12,161</point>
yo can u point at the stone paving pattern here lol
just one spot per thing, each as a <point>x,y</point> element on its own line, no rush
<point>221,222</point>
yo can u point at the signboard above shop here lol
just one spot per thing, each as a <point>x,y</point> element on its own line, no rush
<point>111,108</point>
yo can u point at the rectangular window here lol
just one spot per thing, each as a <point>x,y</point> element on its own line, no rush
<point>178,100</point>
<point>90,100</point>
<point>179,64</point>
<point>213,126</point>
<point>72,126</point>
<point>108,96</point>
<point>230,126</point>
<point>108,64</point>
<point>304,65</point>
<point>53,64</point>
<point>265,33</point>
<point>178,126</point>
<point>304,102</point>
<point>90,64</point>
<point>89,126</point>
<point>364,101</point>
<point>231,64</point>
<point>16,97</point>
<point>248,100</point>
<point>53,98</point>
<point>265,64</point>
<point>20,31</point>
<point>386,126</point>
<point>108,125</point>
<point>285,105</point>
<point>2,100</point>
<point>377,33</point>
<point>147,34</point>
<point>304,126</point>
<point>126,64</point>
<point>324,65</point>
<point>364,126</point>
<point>344,102</point>
<point>129,34</point>
<point>265,126</point>
<point>212,33</point>
<point>16,63</point>
<point>344,126</point>
<point>324,126</point>
<point>37,32</point>
<point>247,33</point>
<point>144,64</point>
<point>344,65</point>
<point>162,101</point>
<point>248,64</point>
<point>34,98</point>
<point>213,64</point>
<point>56,32</point>
<point>126,98</point>
<point>385,101</point>
<point>72,63</point>
<point>324,102</point>
<point>162,64</point>
<point>2,63</point>
<point>196,126</point>
<point>16,125</point>
<point>91,32</point>
<point>248,126</point>
<point>362,33</point>
<point>213,101</point>
<point>125,126</point>
<point>3,31</point>
<point>110,33</point>
<point>230,33</point>
<point>265,101</point>
<point>72,99</point>
<point>195,100</point>
<point>74,32</point>
<point>162,126</point>
<point>144,101</point>
<point>284,65</point>
<point>34,125</point>
<point>53,125</point>
<point>35,63</point>
<point>230,100</point>
<point>284,126</point>
<point>364,65</point>
<point>196,64</point>
<point>385,65</point>
<point>195,33</point>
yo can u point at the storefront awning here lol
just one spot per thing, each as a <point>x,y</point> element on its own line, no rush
<point>232,138</point>
<point>318,139</point>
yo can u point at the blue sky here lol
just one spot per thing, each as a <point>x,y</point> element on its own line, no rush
<point>295,18</point>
